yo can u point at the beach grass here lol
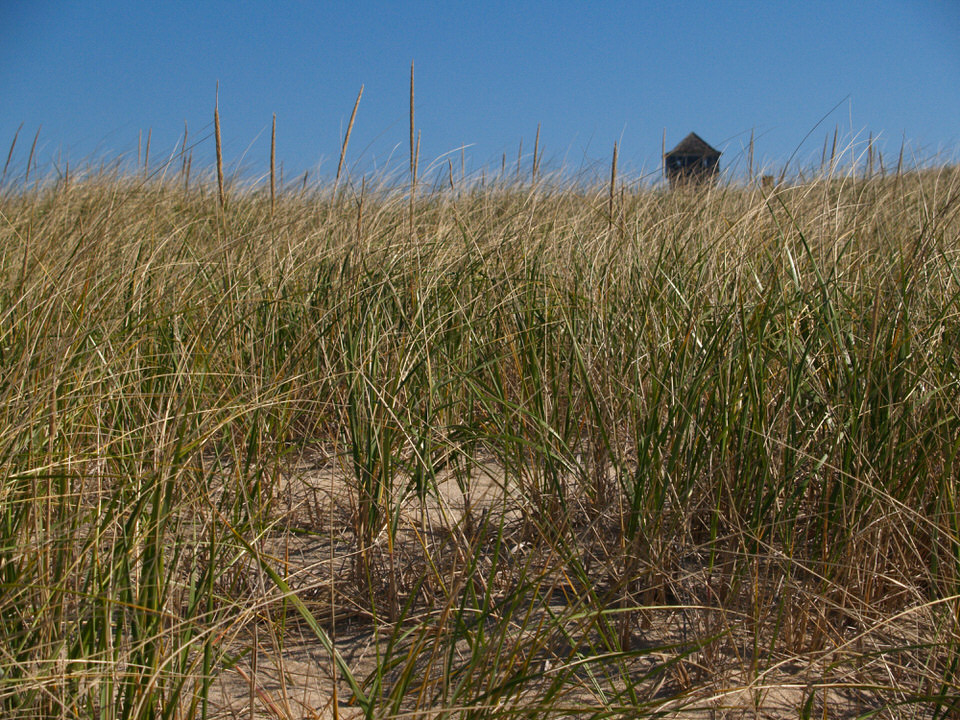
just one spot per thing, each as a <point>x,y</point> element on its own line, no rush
<point>494,449</point>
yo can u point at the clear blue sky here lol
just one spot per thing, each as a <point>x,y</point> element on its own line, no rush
<point>95,74</point>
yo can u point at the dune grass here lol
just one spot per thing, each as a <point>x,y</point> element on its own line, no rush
<point>492,451</point>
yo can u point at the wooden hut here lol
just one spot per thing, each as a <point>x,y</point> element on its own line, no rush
<point>692,161</point>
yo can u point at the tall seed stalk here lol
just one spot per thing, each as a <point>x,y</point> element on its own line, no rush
<point>613,186</point>
<point>13,144</point>
<point>346,138</point>
<point>536,150</point>
<point>183,150</point>
<point>216,130</point>
<point>146,154</point>
<point>519,159</point>
<point>273,166</point>
<point>414,152</point>
<point>33,147</point>
<point>663,154</point>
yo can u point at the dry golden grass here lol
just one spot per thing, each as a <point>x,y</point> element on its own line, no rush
<point>490,450</point>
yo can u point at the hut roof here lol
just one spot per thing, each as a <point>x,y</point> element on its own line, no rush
<point>693,144</point>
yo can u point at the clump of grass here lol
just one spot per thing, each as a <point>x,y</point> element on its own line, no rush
<point>511,463</point>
